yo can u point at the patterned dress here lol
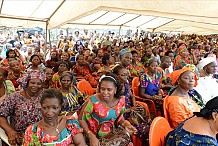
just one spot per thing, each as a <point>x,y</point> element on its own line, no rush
<point>179,62</point>
<point>97,114</point>
<point>181,137</point>
<point>22,111</point>
<point>34,132</point>
<point>143,128</point>
<point>136,70</point>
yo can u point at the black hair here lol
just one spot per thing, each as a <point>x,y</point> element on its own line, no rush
<point>63,62</point>
<point>10,50</point>
<point>66,73</point>
<point>4,72</point>
<point>117,68</point>
<point>148,63</point>
<point>115,80</point>
<point>168,52</point>
<point>35,55</point>
<point>105,58</point>
<point>164,58</point>
<point>210,107</point>
<point>52,93</point>
<point>134,52</point>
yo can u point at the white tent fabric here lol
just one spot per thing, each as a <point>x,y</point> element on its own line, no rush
<point>187,16</point>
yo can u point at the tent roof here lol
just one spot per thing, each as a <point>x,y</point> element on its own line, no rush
<point>187,16</point>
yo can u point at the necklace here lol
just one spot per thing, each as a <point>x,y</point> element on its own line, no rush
<point>212,129</point>
<point>29,95</point>
<point>14,75</point>
<point>56,128</point>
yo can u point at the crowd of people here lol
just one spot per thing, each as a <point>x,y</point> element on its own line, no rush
<point>39,94</point>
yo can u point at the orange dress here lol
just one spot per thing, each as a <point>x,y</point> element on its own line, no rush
<point>180,108</point>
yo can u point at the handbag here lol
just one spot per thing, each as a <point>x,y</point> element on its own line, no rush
<point>117,137</point>
<point>137,117</point>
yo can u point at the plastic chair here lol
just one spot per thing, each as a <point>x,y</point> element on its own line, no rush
<point>158,131</point>
<point>135,89</point>
<point>85,87</point>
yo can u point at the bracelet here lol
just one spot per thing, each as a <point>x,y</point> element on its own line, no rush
<point>88,132</point>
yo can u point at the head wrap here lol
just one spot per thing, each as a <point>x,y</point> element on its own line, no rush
<point>148,63</point>
<point>124,51</point>
<point>33,74</point>
<point>176,74</point>
<point>181,49</point>
<point>205,62</point>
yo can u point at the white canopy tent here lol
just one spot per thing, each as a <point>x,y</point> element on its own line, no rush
<point>187,16</point>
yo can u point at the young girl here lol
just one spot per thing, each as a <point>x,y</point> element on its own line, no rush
<point>143,128</point>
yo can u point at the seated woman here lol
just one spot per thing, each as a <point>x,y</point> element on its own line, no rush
<point>135,68</point>
<point>61,66</point>
<point>6,86</point>
<point>150,83</point>
<point>108,62</point>
<point>82,69</point>
<point>53,129</point>
<point>143,128</point>
<point>48,83</point>
<point>179,104</point>
<point>71,94</point>
<point>22,107</point>
<point>200,129</point>
<point>14,72</point>
<point>207,85</point>
<point>104,111</point>
<point>54,58</point>
<point>35,64</point>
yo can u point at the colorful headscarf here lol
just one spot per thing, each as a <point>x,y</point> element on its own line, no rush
<point>176,74</point>
<point>33,74</point>
<point>124,51</point>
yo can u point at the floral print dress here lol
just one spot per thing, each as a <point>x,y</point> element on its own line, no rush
<point>97,115</point>
<point>22,111</point>
<point>35,135</point>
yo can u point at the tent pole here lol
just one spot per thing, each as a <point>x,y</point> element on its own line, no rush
<point>120,29</point>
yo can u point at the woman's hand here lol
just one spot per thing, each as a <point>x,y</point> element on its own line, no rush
<point>130,129</point>
<point>14,137</point>
<point>94,141</point>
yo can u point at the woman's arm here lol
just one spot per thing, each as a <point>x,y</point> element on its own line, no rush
<point>127,126</point>
<point>13,136</point>
<point>143,95</point>
<point>79,140</point>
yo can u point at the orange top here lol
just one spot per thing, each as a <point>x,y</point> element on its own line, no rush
<point>180,108</point>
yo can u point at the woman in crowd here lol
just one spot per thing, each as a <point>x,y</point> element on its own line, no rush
<point>179,104</point>
<point>14,72</point>
<point>35,63</point>
<point>97,62</point>
<point>108,62</point>
<point>135,68</point>
<point>125,57</point>
<point>9,54</point>
<point>62,66</point>
<point>54,59</point>
<point>6,86</point>
<point>150,83</point>
<point>53,129</point>
<point>107,106</point>
<point>65,56</point>
<point>70,93</point>
<point>83,70</point>
<point>200,129</point>
<point>22,107</point>
<point>48,83</point>
<point>143,128</point>
<point>146,55</point>
<point>207,85</point>
<point>182,58</point>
